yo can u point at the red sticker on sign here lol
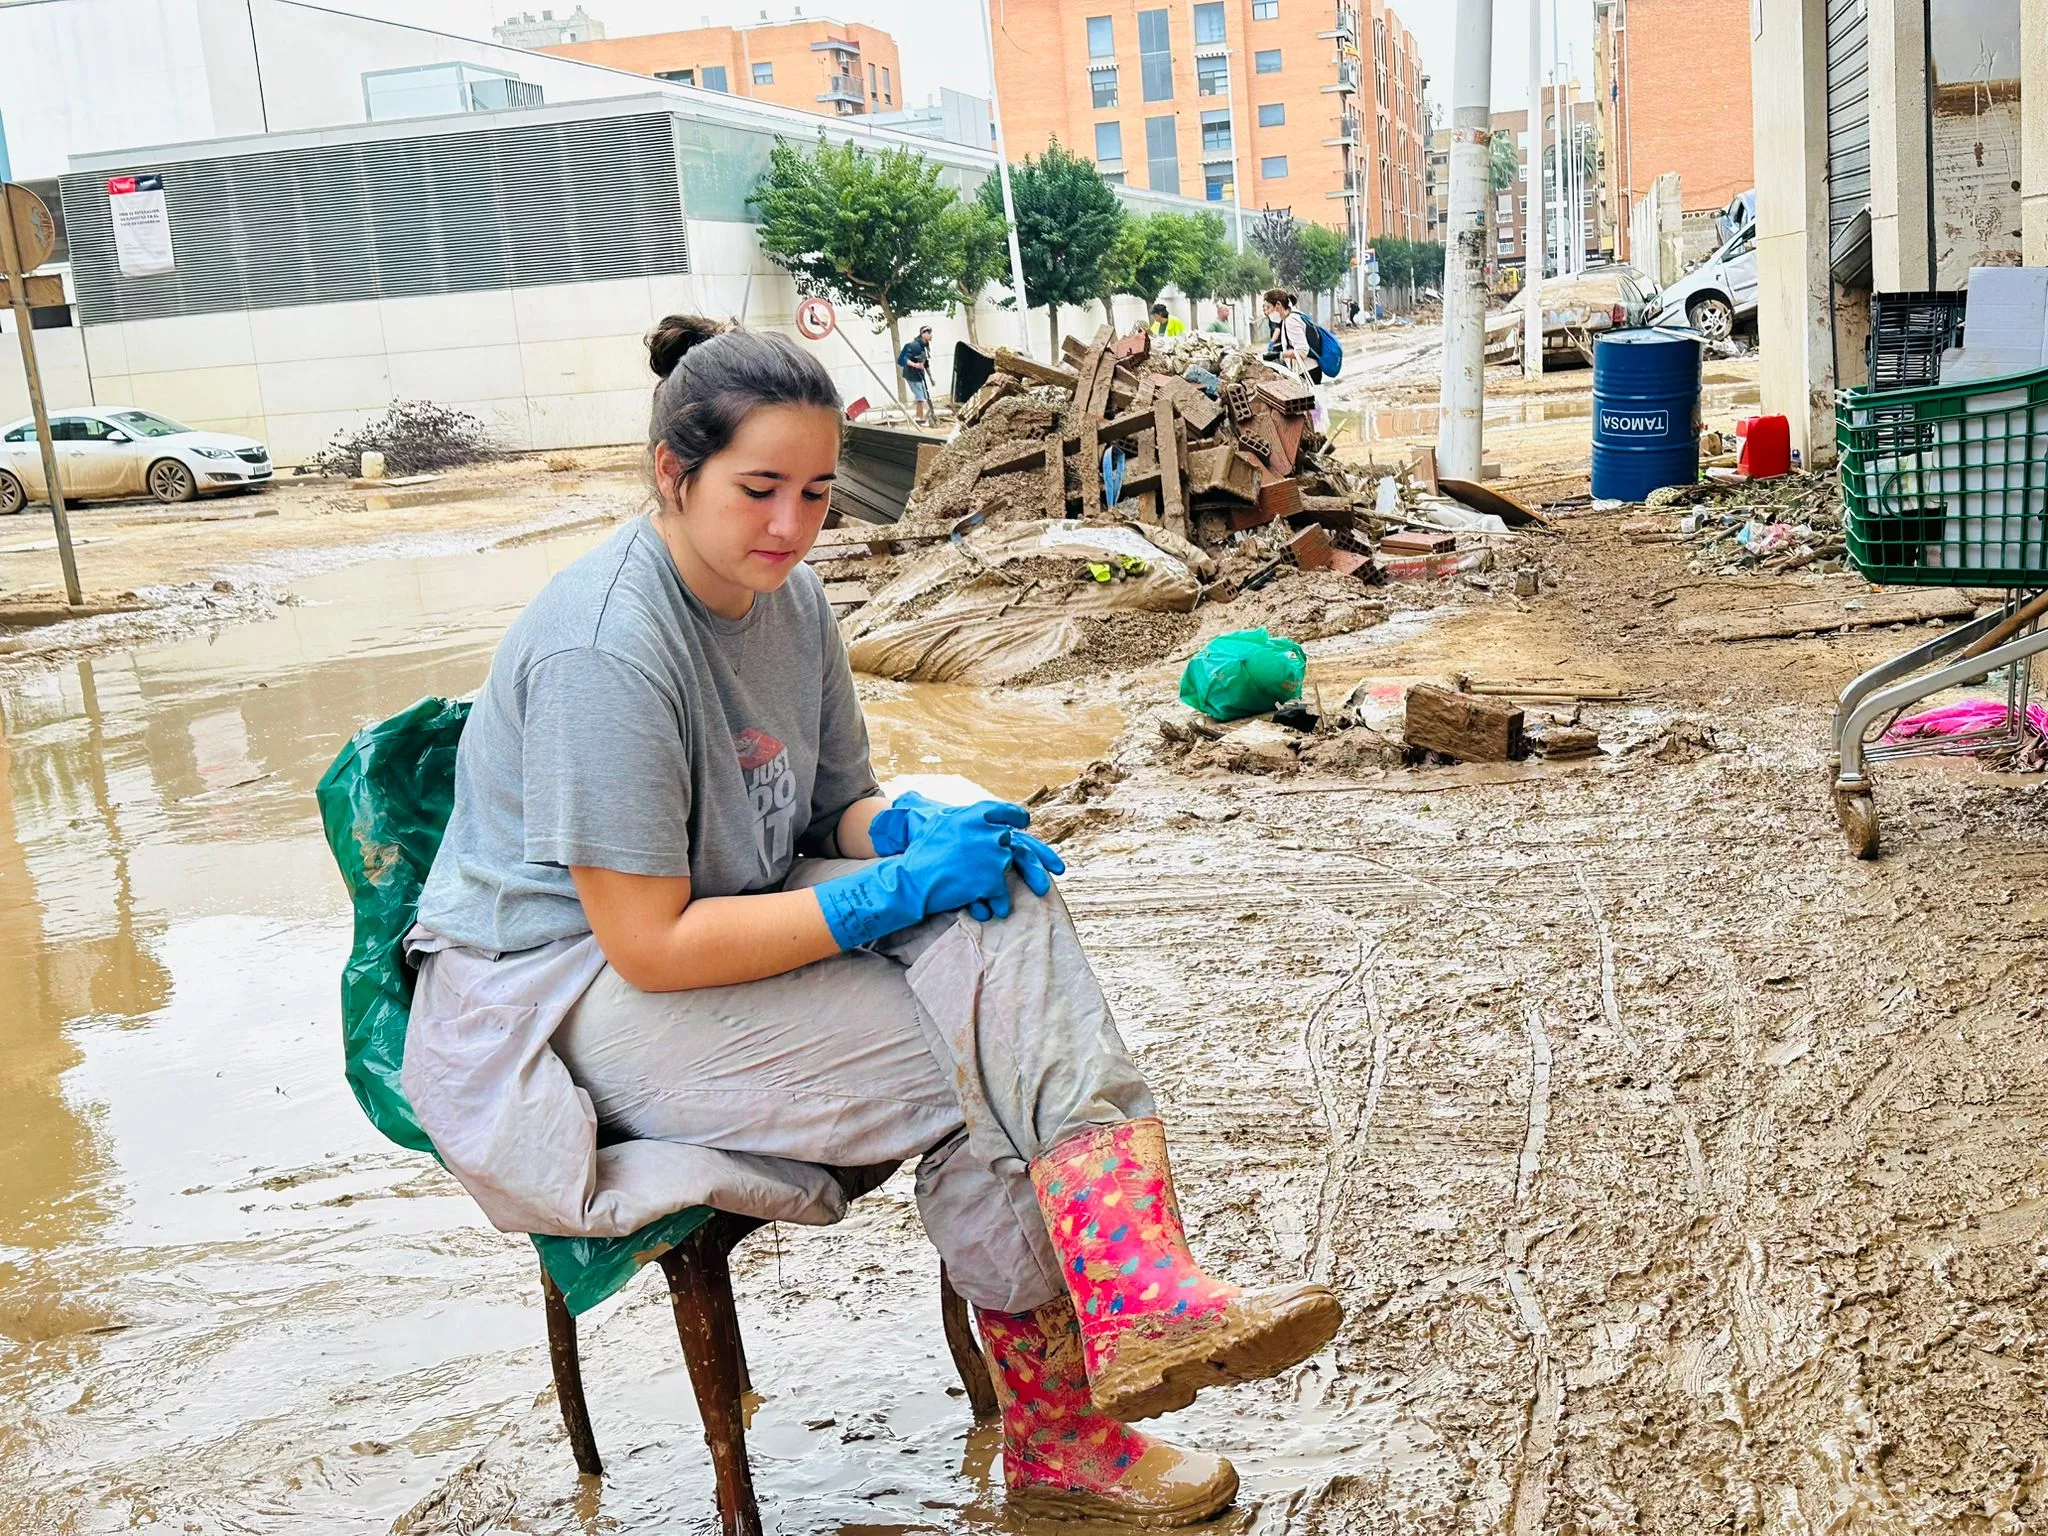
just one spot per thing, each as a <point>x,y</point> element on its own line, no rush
<point>119,186</point>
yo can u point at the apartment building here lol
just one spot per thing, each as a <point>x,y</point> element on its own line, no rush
<point>1315,106</point>
<point>1674,79</point>
<point>1508,216</point>
<point>814,64</point>
<point>527,30</point>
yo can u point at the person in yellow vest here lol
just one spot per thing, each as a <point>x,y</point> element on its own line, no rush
<point>1164,324</point>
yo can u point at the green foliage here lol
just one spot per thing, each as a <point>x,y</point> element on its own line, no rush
<point>1167,250</point>
<point>1325,259</point>
<point>1505,167</point>
<point>1244,272</point>
<point>1429,264</point>
<point>1200,254</point>
<point>977,250</point>
<point>864,230</point>
<point>1397,261</point>
<point>1067,221</point>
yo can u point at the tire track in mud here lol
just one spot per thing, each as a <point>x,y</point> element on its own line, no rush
<point>1346,1149</point>
<point>1531,1498</point>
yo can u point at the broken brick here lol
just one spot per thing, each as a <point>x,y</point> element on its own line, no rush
<point>1280,498</point>
<point>1311,549</point>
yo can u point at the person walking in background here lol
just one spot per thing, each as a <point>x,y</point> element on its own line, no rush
<point>916,362</point>
<point>1163,324</point>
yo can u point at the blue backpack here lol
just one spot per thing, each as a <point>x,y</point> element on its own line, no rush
<point>1328,350</point>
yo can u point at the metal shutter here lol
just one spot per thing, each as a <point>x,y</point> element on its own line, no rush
<point>1848,113</point>
<point>453,212</point>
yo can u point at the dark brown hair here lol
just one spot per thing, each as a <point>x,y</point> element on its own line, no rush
<point>1280,296</point>
<point>714,376</point>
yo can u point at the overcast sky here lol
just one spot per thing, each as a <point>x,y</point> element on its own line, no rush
<point>942,46</point>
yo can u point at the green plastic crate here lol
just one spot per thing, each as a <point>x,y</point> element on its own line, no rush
<point>1947,486</point>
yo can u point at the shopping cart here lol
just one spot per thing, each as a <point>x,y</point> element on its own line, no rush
<point>1945,486</point>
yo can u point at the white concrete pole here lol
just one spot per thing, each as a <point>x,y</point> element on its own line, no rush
<point>1461,430</point>
<point>1557,111</point>
<point>1533,241</point>
<point>2034,132</point>
<point>995,103</point>
<point>1900,258</point>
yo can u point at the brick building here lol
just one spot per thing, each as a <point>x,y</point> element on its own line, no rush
<point>1507,217</point>
<point>1317,105</point>
<point>815,65</point>
<point>1680,100</point>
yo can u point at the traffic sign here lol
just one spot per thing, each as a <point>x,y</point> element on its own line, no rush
<point>1372,280</point>
<point>815,319</point>
<point>35,232</point>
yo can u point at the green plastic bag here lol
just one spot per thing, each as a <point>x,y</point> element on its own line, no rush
<point>1247,672</point>
<point>384,804</point>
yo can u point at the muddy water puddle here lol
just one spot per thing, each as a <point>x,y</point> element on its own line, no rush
<point>225,1303</point>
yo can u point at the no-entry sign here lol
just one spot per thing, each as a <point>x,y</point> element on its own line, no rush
<point>815,320</point>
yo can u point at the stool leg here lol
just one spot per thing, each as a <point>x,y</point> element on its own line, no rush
<point>700,1286</point>
<point>967,1356</point>
<point>568,1367</point>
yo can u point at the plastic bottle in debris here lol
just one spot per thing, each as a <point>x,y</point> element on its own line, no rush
<point>1388,502</point>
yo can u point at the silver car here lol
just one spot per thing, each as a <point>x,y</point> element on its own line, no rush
<point>1716,295</point>
<point>113,451</point>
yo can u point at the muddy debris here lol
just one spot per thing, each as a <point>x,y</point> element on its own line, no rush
<point>1750,527</point>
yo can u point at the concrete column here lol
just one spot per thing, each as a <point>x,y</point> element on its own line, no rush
<point>1788,62</point>
<point>2034,131</point>
<point>1900,259</point>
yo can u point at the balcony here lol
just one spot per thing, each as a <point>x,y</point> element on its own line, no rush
<point>844,88</point>
<point>838,45</point>
<point>1347,79</point>
<point>1346,30</point>
<point>1349,127</point>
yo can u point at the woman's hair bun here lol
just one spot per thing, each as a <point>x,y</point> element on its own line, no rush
<point>671,340</point>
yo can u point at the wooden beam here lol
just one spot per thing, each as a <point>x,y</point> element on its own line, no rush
<point>1460,725</point>
<point>1091,471</point>
<point>1027,368</point>
<point>1031,456</point>
<point>1170,438</point>
<point>1055,480</point>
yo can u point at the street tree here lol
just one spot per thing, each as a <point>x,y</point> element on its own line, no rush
<point>1277,237</point>
<point>1067,221</point>
<point>978,253</point>
<point>1201,258</point>
<point>1504,168</point>
<point>1245,273</point>
<point>1325,259</point>
<point>864,230</point>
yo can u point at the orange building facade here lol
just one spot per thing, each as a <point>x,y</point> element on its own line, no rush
<point>1680,100</point>
<point>840,69</point>
<point>1316,105</point>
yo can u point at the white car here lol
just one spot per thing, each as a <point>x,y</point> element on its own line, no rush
<point>114,451</point>
<point>1717,294</point>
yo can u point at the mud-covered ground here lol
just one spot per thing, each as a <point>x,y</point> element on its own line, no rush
<point>1678,1171</point>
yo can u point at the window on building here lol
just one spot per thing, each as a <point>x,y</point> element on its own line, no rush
<point>1274,116</point>
<point>1212,75</point>
<point>1162,153</point>
<point>874,87</point>
<point>1265,10</point>
<point>764,73</point>
<point>714,78</point>
<point>1216,133</point>
<point>1102,87</point>
<point>1209,23</point>
<point>1507,237</point>
<point>1266,62</point>
<point>1216,188</point>
<point>888,90</point>
<point>1101,37</point>
<point>1155,55</point>
<point>677,76</point>
<point>1273,167</point>
<point>1109,145</point>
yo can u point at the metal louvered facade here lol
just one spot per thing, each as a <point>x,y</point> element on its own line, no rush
<point>1848,113</point>
<point>458,211</point>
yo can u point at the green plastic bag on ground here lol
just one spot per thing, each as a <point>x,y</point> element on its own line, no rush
<point>384,805</point>
<point>1247,672</point>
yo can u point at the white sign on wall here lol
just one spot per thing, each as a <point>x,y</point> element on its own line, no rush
<point>142,225</point>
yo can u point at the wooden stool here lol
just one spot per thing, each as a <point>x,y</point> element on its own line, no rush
<point>707,1321</point>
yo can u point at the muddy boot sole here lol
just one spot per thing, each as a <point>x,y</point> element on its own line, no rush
<point>1062,1504</point>
<point>1160,1372</point>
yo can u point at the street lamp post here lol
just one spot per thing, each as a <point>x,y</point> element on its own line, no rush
<point>995,102</point>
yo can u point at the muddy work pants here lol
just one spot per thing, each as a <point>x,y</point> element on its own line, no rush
<point>972,1047</point>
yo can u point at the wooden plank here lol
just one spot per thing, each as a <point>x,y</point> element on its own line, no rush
<point>1074,349</point>
<point>1171,440</point>
<point>1878,610</point>
<point>926,454</point>
<point>1027,368</point>
<point>1056,480</point>
<point>1115,431</point>
<point>1091,471</point>
<point>1506,508</point>
<point>1031,456</point>
<point>1473,730</point>
<point>1195,407</point>
<point>847,593</point>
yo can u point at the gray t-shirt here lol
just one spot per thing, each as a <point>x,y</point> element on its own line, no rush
<point>625,726</point>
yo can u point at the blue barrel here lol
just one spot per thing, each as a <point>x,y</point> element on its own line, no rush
<point>1646,413</point>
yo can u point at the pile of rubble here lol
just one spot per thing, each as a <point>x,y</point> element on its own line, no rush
<point>1743,527</point>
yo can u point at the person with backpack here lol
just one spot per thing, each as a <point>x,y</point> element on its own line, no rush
<point>1298,344</point>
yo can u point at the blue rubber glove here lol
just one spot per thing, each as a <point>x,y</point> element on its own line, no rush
<point>1033,860</point>
<point>895,829</point>
<point>962,859</point>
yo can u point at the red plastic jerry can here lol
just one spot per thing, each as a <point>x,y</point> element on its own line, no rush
<point>1764,447</point>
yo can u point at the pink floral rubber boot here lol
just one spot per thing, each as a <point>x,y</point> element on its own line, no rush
<point>1155,1329</point>
<point>1064,1460</point>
